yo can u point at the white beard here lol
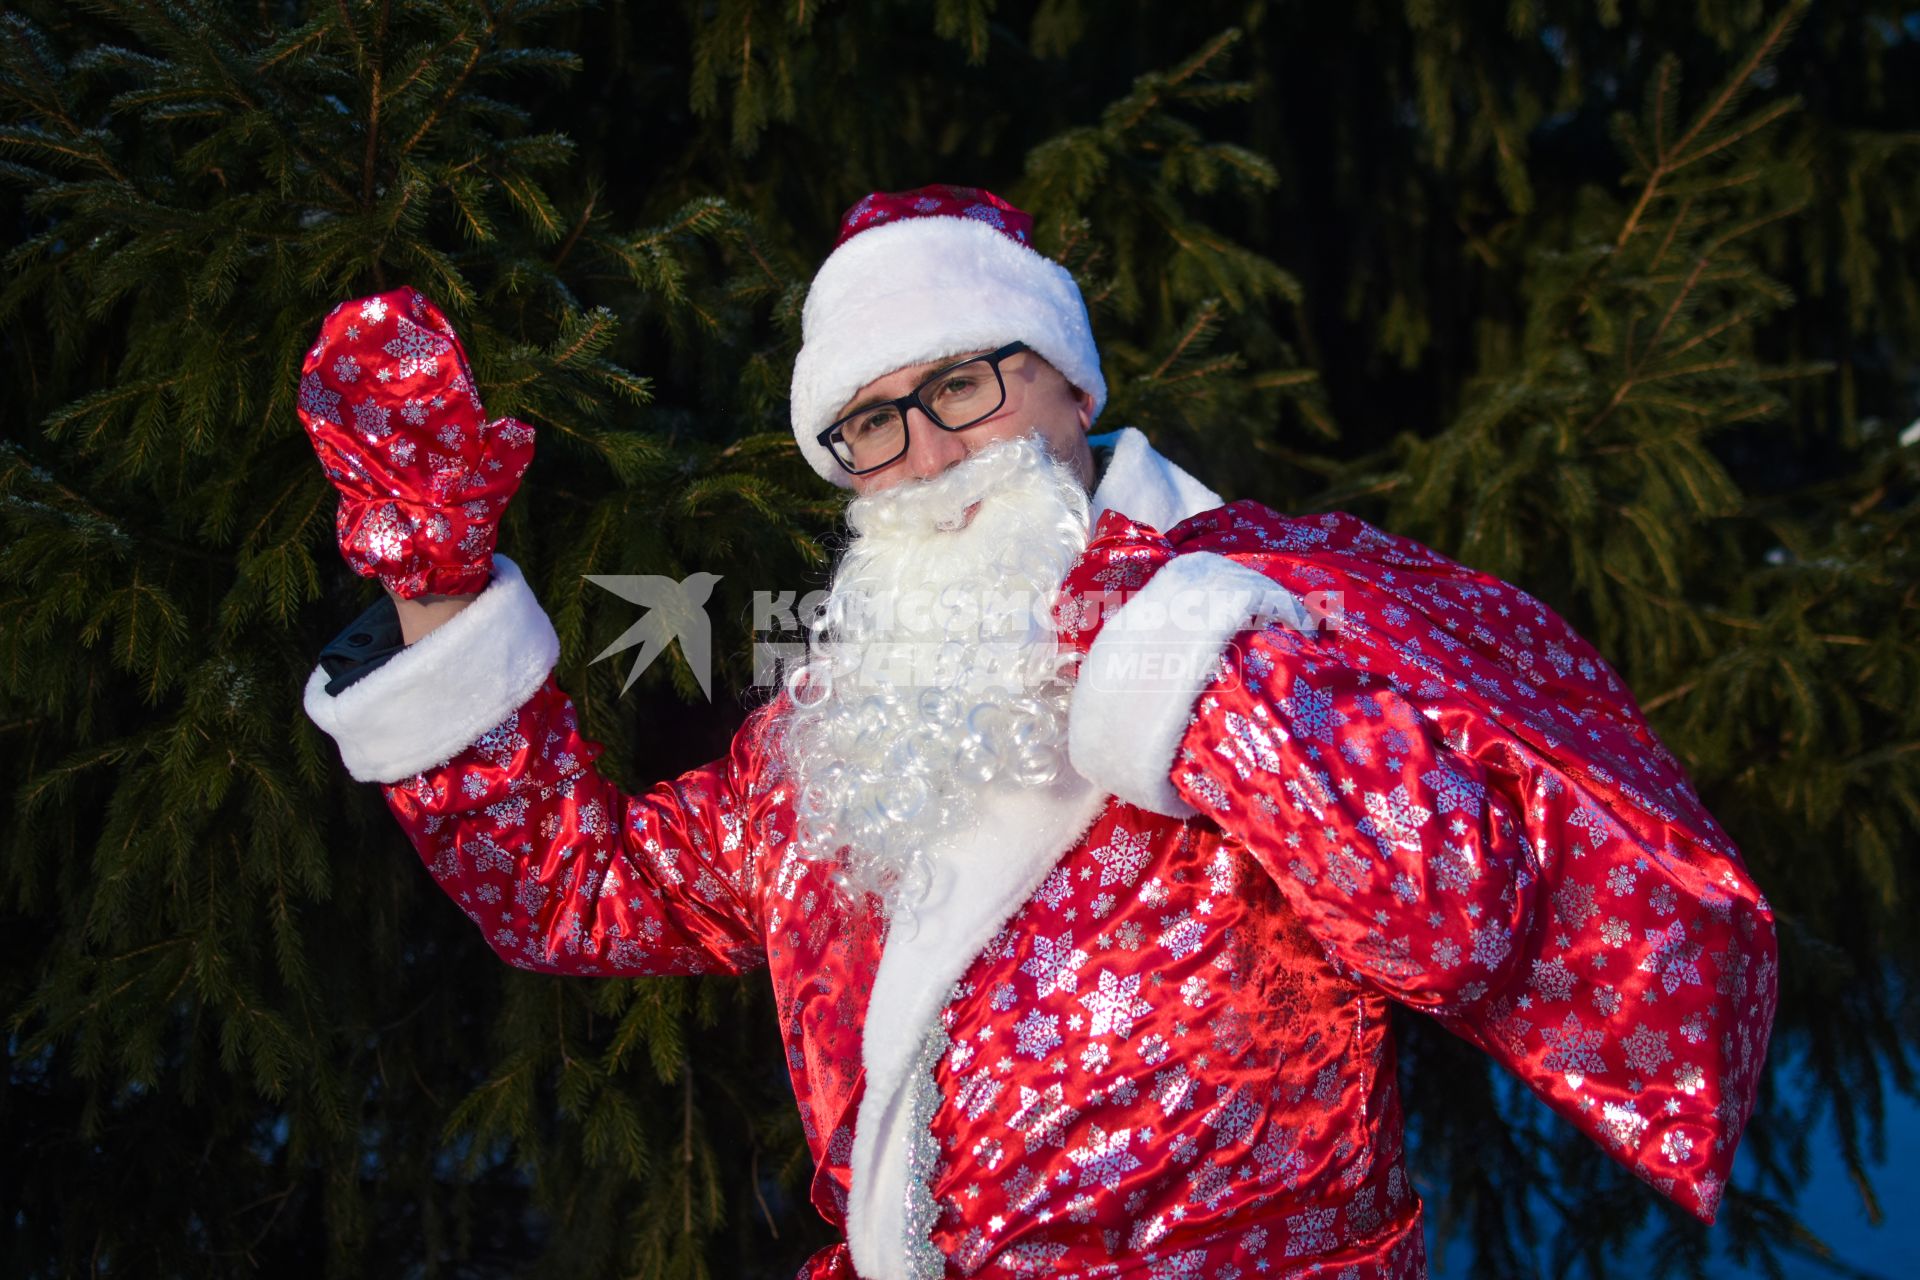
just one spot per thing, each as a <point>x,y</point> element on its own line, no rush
<point>933,674</point>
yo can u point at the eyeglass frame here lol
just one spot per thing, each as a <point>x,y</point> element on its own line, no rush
<point>912,400</point>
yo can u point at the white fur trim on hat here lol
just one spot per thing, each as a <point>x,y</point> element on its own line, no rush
<point>921,288</point>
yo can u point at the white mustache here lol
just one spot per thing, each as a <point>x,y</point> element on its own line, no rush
<point>939,503</point>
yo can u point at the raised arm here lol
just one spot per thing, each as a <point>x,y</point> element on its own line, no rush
<point>481,759</point>
<point>478,753</point>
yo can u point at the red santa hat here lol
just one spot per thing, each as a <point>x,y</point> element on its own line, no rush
<point>919,275</point>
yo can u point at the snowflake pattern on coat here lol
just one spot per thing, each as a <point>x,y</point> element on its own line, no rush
<point>1174,1059</point>
<point>1193,1098</point>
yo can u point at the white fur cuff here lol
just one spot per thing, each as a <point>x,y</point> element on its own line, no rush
<point>1150,663</point>
<point>436,697</point>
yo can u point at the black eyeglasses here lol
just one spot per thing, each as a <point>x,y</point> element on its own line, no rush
<point>957,397</point>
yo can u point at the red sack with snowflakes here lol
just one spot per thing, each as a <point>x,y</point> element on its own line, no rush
<point>1462,802</point>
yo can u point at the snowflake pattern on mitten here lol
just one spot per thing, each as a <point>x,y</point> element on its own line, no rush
<point>390,406</point>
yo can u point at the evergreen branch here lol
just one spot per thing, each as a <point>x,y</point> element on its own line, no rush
<point>353,35</point>
<point>1706,255</point>
<point>1211,369</point>
<point>766,269</point>
<point>1753,125</point>
<point>161,945</point>
<point>531,201</point>
<point>1754,411</point>
<point>1660,700</point>
<point>1696,275</point>
<point>697,217</point>
<point>1691,370</point>
<point>1737,83</point>
<point>686,1145</point>
<point>1510,167</point>
<point>47,98</point>
<point>759,1197</point>
<point>594,328</point>
<point>1662,105</point>
<point>1203,322</point>
<point>53,780</point>
<point>32,138</point>
<point>1205,57</point>
<point>1285,378</point>
<point>38,475</point>
<point>1735,273</point>
<point>279,1200</point>
<point>293,44</point>
<point>1722,617</point>
<point>1666,162</point>
<point>746,70</point>
<point>573,237</point>
<point>427,61</point>
<point>1329,429</point>
<point>464,193</point>
<point>377,68</point>
<point>1673,230</point>
<point>1734,321</point>
<point>447,97</point>
<point>1149,91</point>
<point>198,40</point>
<point>295,484</point>
<point>56,1029</point>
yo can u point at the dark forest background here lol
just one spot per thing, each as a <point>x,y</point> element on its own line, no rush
<point>1619,300</point>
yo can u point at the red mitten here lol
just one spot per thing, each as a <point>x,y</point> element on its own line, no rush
<point>389,403</point>
<point>1119,560</point>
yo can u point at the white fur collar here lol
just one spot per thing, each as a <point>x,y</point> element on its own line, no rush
<point>981,878</point>
<point>1140,482</point>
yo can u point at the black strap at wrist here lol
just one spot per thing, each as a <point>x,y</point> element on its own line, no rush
<point>367,642</point>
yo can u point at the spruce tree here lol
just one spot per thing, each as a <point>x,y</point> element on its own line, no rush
<point>1615,301</point>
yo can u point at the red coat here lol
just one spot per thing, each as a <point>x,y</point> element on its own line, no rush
<point>1140,1028</point>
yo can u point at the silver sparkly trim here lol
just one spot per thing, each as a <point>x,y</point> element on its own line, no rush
<point>924,1261</point>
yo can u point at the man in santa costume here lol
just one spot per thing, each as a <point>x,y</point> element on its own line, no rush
<point>1102,821</point>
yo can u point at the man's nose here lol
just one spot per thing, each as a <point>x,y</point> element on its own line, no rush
<point>930,450</point>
